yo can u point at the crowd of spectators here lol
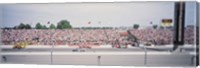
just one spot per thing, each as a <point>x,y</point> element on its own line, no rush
<point>189,35</point>
<point>159,36</point>
<point>88,36</point>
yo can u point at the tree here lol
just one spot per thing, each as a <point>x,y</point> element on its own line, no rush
<point>21,26</point>
<point>27,26</point>
<point>15,27</point>
<point>52,26</point>
<point>155,26</point>
<point>161,27</point>
<point>44,27</point>
<point>38,26</point>
<point>64,24</point>
<point>136,26</point>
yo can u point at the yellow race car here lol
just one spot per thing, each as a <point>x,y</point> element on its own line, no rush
<point>20,45</point>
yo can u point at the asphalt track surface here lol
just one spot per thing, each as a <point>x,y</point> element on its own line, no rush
<point>119,60</point>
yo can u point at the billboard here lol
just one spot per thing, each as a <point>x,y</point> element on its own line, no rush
<point>166,22</point>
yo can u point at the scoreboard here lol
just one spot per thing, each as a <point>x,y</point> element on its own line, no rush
<point>166,22</point>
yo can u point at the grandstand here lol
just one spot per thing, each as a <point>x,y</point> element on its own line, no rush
<point>90,36</point>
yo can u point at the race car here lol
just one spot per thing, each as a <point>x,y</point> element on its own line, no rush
<point>20,45</point>
<point>148,44</point>
<point>85,46</point>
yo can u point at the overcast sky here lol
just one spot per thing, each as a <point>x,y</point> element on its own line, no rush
<point>99,14</point>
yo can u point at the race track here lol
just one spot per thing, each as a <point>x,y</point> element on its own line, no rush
<point>135,56</point>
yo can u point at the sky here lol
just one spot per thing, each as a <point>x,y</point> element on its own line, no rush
<point>99,14</point>
<point>190,16</point>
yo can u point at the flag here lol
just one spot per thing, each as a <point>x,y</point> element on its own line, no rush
<point>89,22</point>
<point>48,22</point>
<point>151,22</point>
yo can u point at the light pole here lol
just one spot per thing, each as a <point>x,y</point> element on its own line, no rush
<point>52,45</point>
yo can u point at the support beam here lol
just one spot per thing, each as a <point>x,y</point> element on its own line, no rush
<point>179,22</point>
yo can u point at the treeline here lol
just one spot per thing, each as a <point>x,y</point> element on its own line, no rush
<point>96,28</point>
<point>136,26</point>
<point>63,24</point>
